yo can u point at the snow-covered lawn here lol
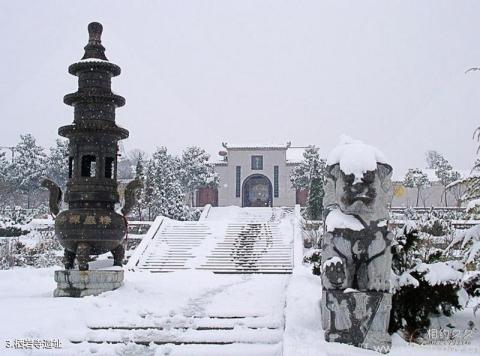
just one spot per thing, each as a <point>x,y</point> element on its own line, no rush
<point>168,301</point>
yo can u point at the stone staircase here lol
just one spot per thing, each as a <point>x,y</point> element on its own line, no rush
<point>172,246</point>
<point>247,332</point>
<point>253,240</point>
<point>250,251</point>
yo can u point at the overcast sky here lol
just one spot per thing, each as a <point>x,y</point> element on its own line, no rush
<point>391,73</point>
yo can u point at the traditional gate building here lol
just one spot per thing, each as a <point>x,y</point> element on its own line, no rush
<point>254,176</point>
<point>259,175</point>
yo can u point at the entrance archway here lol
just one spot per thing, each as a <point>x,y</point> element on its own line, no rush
<point>257,191</point>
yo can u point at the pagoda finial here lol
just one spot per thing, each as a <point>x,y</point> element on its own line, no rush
<point>94,48</point>
<point>95,30</point>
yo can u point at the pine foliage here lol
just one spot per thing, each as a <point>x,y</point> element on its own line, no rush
<point>140,205</point>
<point>311,166</point>
<point>163,188</point>
<point>4,183</point>
<point>309,175</point>
<point>315,194</point>
<point>3,166</point>
<point>57,163</point>
<point>169,182</point>
<point>28,166</point>
<point>196,171</point>
<point>420,291</point>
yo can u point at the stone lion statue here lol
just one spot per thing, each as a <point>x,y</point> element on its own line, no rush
<point>356,257</point>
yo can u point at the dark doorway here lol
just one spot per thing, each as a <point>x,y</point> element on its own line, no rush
<point>257,191</point>
<point>206,195</point>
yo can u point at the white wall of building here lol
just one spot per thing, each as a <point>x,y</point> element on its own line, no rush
<point>242,157</point>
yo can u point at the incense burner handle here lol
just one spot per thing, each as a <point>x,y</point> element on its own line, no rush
<point>130,196</point>
<point>55,197</point>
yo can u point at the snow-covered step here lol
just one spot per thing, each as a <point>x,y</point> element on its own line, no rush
<point>199,322</point>
<point>254,234</point>
<point>261,333</point>
<point>249,271</point>
<point>252,240</point>
<point>245,263</point>
<point>261,258</point>
<point>189,313</point>
<point>247,267</point>
<point>170,246</point>
<point>188,336</point>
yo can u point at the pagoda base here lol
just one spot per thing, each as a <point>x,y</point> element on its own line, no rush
<point>77,284</point>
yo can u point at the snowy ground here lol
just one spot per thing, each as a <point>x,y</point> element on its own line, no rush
<point>28,311</point>
<point>261,314</point>
<point>303,335</point>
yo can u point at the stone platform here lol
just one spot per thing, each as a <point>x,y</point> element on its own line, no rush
<point>357,318</point>
<point>75,283</point>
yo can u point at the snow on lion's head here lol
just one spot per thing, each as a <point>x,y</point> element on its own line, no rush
<point>358,180</point>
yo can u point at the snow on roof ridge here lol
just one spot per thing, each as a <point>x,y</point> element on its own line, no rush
<point>355,157</point>
<point>256,145</point>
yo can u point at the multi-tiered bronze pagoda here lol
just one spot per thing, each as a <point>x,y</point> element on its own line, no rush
<point>91,226</point>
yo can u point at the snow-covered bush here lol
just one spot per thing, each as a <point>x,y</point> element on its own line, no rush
<point>411,213</point>
<point>5,256</point>
<point>313,257</point>
<point>468,241</point>
<point>13,221</point>
<point>434,223</point>
<point>17,215</point>
<point>312,231</point>
<point>11,231</point>
<point>425,282</point>
<point>37,249</point>
<point>194,214</point>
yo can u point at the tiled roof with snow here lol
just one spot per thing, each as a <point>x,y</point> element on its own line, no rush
<point>251,146</point>
<point>294,155</point>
